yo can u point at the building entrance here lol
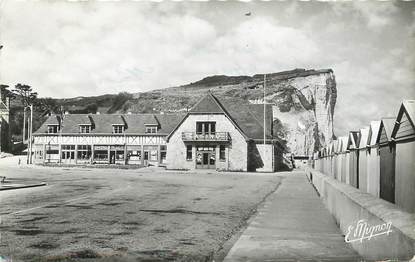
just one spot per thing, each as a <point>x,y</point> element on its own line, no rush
<point>206,157</point>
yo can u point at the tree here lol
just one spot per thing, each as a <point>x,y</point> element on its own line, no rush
<point>119,101</point>
<point>27,98</point>
<point>48,106</point>
<point>25,93</point>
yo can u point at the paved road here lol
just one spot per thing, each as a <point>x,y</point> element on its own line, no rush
<point>129,215</point>
<point>293,225</point>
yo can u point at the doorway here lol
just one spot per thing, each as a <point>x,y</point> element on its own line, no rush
<point>206,157</point>
<point>387,173</point>
<point>112,157</point>
<point>68,154</point>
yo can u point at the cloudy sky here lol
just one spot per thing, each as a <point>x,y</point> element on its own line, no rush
<point>68,49</point>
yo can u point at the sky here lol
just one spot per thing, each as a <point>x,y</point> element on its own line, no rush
<point>69,49</point>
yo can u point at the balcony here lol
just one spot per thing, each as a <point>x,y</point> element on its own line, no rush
<point>212,137</point>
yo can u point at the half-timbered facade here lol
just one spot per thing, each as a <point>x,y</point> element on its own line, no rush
<point>104,139</point>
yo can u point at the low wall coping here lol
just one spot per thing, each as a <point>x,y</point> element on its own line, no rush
<point>388,212</point>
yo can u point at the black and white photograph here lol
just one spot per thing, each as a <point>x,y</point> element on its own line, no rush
<point>212,131</point>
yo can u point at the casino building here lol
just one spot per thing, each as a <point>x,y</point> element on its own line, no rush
<point>221,134</point>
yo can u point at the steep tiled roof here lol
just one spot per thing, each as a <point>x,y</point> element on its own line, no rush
<point>52,120</point>
<point>102,123</point>
<point>249,117</point>
<point>207,104</point>
<point>166,122</point>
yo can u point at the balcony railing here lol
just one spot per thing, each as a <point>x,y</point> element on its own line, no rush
<point>218,136</point>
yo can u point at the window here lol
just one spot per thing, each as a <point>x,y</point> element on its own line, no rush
<point>84,152</point>
<point>116,153</point>
<point>38,151</point>
<point>117,129</point>
<point>134,154</point>
<point>68,147</point>
<point>163,154</point>
<point>205,127</point>
<point>84,129</point>
<point>52,129</point>
<point>153,155</point>
<point>68,151</point>
<point>101,153</point>
<point>189,153</point>
<point>151,129</point>
<point>222,154</point>
<point>52,152</point>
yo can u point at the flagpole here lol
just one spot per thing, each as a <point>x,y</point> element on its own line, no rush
<point>265,122</point>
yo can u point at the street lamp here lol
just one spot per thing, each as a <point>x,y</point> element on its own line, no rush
<point>29,131</point>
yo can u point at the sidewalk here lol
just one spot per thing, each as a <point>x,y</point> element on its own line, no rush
<point>293,225</point>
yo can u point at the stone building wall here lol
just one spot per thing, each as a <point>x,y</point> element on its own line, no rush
<point>236,151</point>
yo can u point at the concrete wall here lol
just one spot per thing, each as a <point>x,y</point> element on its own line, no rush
<point>348,205</point>
<point>236,154</point>
<point>373,171</point>
<point>405,176</point>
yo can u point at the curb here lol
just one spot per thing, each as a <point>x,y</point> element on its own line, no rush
<point>20,187</point>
